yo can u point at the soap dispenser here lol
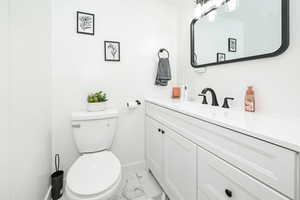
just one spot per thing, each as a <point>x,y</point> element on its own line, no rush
<point>250,100</point>
<point>185,92</point>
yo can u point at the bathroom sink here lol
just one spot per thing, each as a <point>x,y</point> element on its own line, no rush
<point>206,111</point>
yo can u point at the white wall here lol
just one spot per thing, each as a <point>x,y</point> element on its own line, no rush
<point>5,136</point>
<point>276,80</point>
<point>25,99</point>
<point>142,27</point>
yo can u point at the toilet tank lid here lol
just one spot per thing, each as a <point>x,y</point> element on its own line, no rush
<point>84,116</point>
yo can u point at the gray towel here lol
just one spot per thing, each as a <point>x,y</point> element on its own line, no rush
<point>163,72</point>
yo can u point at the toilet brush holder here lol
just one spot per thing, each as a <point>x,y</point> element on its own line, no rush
<point>57,180</point>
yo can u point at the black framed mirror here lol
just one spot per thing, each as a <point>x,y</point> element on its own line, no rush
<point>256,29</point>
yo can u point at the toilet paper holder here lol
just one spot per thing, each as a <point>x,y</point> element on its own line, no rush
<point>138,103</point>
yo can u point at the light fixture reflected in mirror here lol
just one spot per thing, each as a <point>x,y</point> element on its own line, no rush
<point>218,3</point>
<point>232,5</point>
<point>198,11</point>
<point>209,7</point>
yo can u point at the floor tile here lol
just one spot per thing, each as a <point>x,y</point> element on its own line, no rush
<point>137,185</point>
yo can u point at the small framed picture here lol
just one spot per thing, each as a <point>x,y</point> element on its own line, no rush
<point>221,57</point>
<point>112,51</point>
<point>232,43</point>
<point>85,23</point>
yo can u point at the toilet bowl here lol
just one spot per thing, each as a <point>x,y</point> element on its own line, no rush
<point>95,176</point>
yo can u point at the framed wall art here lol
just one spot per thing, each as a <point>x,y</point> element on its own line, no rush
<point>112,51</point>
<point>85,23</point>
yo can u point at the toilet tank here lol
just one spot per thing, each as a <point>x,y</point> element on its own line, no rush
<point>94,131</point>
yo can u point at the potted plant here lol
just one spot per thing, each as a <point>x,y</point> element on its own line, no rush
<point>97,102</point>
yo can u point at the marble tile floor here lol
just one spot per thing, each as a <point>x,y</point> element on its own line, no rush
<point>138,185</point>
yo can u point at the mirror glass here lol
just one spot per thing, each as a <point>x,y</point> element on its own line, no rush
<point>255,29</point>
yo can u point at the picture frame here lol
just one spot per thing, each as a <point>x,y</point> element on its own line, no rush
<point>221,57</point>
<point>112,51</point>
<point>232,44</point>
<point>85,23</point>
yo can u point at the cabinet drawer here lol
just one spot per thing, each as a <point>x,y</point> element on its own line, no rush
<point>218,180</point>
<point>271,164</point>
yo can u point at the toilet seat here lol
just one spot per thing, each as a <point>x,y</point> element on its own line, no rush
<point>94,175</point>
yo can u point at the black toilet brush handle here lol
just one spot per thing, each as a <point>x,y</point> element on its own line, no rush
<point>57,162</point>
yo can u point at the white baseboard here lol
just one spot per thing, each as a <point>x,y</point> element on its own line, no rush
<point>135,166</point>
<point>48,194</point>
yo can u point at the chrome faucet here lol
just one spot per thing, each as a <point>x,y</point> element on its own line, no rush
<point>213,94</point>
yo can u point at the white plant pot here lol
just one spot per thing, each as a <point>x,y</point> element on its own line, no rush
<point>94,107</point>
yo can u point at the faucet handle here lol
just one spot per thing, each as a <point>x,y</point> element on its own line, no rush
<point>225,104</point>
<point>204,98</point>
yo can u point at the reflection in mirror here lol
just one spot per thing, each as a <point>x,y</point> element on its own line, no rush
<point>255,29</point>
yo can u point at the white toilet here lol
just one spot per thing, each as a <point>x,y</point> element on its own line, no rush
<point>96,174</point>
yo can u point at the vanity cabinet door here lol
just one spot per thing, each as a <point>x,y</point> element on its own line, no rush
<point>154,148</point>
<point>180,166</point>
<point>219,180</point>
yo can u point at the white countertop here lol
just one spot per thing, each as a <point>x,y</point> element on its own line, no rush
<point>279,130</point>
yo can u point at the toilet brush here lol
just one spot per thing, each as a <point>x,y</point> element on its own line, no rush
<point>57,179</point>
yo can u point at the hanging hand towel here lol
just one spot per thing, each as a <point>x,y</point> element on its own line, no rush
<point>163,72</point>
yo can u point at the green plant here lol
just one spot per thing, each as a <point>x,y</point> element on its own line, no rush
<point>97,97</point>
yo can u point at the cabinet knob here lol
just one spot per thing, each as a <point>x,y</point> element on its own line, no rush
<point>159,130</point>
<point>163,132</point>
<point>228,193</point>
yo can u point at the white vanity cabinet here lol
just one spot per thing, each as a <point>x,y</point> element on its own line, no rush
<point>173,160</point>
<point>195,159</point>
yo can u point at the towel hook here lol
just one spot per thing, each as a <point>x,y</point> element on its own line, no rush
<point>161,51</point>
